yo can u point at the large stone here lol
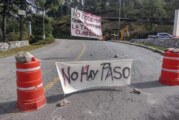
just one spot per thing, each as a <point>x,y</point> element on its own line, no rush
<point>23,57</point>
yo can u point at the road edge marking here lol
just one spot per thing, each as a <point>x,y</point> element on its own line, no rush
<point>51,84</point>
<point>82,51</point>
<point>55,80</point>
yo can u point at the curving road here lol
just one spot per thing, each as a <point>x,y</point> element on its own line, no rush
<point>156,101</point>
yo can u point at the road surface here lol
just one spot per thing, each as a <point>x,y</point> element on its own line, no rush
<point>156,101</point>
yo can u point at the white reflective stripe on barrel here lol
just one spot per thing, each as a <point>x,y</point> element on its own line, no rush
<point>30,88</point>
<point>28,70</point>
<point>172,58</point>
<point>169,70</point>
<point>40,85</point>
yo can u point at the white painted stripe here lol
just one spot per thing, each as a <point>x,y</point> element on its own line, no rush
<point>169,70</point>
<point>27,88</point>
<point>28,70</point>
<point>30,88</point>
<point>40,85</point>
<point>172,58</point>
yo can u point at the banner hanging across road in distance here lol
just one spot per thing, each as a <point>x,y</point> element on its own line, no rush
<point>76,76</point>
<point>84,24</point>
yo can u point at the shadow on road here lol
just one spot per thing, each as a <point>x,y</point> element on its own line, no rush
<point>11,107</point>
<point>58,97</point>
<point>8,107</point>
<point>55,98</point>
<point>148,84</point>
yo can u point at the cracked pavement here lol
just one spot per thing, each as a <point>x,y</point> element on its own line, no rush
<point>155,102</point>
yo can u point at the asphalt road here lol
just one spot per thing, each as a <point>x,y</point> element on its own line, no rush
<point>156,101</point>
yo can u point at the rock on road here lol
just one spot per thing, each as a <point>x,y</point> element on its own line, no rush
<point>156,101</point>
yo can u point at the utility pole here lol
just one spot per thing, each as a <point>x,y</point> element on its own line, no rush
<point>21,28</point>
<point>30,28</point>
<point>4,20</point>
<point>21,21</point>
<point>82,4</point>
<point>44,37</point>
<point>119,22</point>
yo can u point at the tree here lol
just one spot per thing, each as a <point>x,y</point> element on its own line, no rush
<point>53,7</point>
<point>9,9</point>
<point>37,28</point>
<point>171,6</point>
<point>153,9</point>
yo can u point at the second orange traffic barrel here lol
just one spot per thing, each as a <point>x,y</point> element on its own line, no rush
<point>170,68</point>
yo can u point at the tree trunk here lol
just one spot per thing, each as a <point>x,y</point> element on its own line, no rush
<point>21,21</point>
<point>21,28</point>
<point>4,39</point>
<point>151,23</point>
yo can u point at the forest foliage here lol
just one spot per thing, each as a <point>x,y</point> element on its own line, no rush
<point>57,12</point>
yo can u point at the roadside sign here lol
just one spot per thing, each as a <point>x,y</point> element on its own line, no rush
<point>80,75</point>
<point>84,24</point>
<point>22,12</point>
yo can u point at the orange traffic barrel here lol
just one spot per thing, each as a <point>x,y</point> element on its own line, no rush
<point>30,91</point>
<point>170,68</point>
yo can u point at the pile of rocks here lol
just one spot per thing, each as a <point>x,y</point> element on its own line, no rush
<point>174,43</point>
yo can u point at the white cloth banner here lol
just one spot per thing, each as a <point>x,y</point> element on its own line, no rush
<point>76,76</point>
<point>84,24</point>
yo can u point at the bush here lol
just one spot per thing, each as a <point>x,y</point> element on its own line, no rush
<point>13,26</point>
<point>14,36</point>
<point>37,29</point>
<point>141,35</point>
<point>62,27</point>
<point>48,40</point>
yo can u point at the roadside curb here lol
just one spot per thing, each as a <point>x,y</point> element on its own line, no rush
<point>146,47</point>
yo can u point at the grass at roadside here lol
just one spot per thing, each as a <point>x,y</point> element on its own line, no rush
<point>33,46</point>
<point>154,46</point>
<point>15,50</point>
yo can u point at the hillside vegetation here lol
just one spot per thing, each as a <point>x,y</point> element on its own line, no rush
<point>142,16</point>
